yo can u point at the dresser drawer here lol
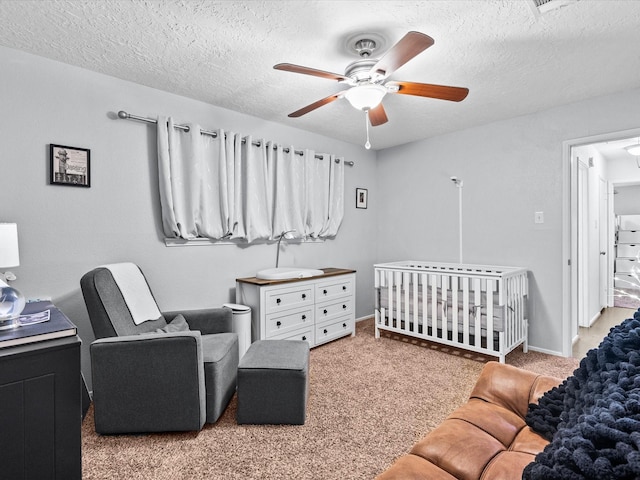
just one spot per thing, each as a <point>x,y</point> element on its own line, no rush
<point>629,222</point>
<point>283,322</point>
<point>628,250</point>
<point>333,289</point>
<point>286,298</point>
<point>305,334</point>
<point>330,310</point>
<point>627,265</point>
<point>625,280</point>
<point>332,330</point>
<point>629,236</point>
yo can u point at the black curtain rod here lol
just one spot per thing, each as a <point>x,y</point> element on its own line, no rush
<point>127,116</point>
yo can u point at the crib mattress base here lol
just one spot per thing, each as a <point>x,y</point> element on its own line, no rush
<point>498,321</point>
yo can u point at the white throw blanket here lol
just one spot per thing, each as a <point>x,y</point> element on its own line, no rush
<point>135,291</point>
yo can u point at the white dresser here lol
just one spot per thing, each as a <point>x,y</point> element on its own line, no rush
<point>317,309</point>
<point>627,262</point>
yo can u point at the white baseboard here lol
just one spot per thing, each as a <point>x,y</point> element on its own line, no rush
<point>548,352</point>
<point>595,317</point>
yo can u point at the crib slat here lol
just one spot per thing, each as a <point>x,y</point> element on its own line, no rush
<point>511,311</point>
<point>521,282</point>
<point>454,308</point>
<point>425,304</point>
<point>477,321</point>
<point>465,310</point>
<point>390,296</point>
<point>398,294</point>
<point>378,308</point>
<point>406,290</point>
<point>434,305</point>
<point>517,303</point>
<point>489,302</point>
<point>444,290</point>
<point>414,304</point>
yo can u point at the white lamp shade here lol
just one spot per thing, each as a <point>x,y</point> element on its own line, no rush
<point>9,256</point>
<point>633,149</point>
<point>365,97</point>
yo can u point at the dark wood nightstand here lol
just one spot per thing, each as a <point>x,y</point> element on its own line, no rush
<point>40,409</point>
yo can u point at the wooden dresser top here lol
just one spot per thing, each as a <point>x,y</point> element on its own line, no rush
<point>328,272</point>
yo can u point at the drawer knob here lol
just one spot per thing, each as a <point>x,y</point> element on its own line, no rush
<point>304,295</point>
<point>278,300</point>
<point>324,291</point>
<point>344,307</point>
<point>325,311</point>
<point>278,323</point>
<point>304,337</point>
<point>344,287</point>
<point>325,331</point>
<point>304,317</point>
<point>344,325</point>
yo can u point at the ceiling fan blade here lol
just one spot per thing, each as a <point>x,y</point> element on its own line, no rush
<point>408,47</point>
<point>443,92</point>
<point>377,116</point>
<point>314,105</point>
<point>290,67</point>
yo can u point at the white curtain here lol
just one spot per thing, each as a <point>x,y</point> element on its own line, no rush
<point>230,187</point>
<point>289,193</point>
<point>325,196</point>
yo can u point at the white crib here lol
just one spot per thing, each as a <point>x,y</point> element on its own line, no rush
<point>472,307</point>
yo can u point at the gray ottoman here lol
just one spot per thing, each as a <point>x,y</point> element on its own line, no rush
<point>273,383</point>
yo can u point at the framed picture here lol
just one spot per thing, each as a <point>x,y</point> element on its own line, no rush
<point>361,197</point>
<point>70,166</point>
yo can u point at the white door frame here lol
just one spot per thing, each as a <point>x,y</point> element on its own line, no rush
<point>604,241</point>
<point>569,231</point>
<point>581,257</point>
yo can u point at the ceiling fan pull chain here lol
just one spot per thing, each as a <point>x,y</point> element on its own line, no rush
<point>367,145</point>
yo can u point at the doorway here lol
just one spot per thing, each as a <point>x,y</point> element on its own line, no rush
<point>593,168</point>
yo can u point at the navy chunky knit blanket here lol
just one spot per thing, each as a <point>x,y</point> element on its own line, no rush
<point>593,418</point>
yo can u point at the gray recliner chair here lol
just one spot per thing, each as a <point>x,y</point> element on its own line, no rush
<point>150,375</point>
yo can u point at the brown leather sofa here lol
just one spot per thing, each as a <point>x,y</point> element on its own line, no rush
<point>486,438</point>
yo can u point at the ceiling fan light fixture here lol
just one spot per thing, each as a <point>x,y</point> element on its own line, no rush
<point>633,149</point>
<point>365,97</point>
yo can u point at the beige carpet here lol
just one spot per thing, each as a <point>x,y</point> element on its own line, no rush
<point>370,401</point>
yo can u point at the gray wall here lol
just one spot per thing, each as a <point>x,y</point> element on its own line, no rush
<point>66,231</point>
<point>627,200</point>
<point>510,169</point>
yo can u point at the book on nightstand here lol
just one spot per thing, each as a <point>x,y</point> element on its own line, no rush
<point>39,321</point>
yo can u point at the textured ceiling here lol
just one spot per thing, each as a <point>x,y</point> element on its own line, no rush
<point>513,60</point>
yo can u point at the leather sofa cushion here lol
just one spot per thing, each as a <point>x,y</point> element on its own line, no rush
<point>497,421</point>
<point>508,465</point>
<point>412,467</point>
<point>487,437</point>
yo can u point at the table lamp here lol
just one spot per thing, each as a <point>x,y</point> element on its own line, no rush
<point>11,300</point>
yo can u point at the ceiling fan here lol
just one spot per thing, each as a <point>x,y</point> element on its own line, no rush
<point>368,78</point>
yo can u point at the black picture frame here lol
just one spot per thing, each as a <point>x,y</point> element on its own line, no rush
<point>69,166</point>
<point>362,197</point>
